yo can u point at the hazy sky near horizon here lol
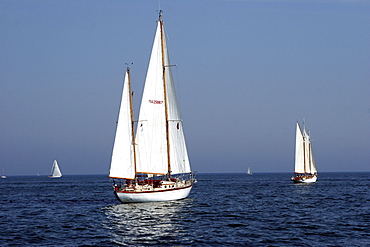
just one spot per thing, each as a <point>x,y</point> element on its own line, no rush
<point>246,72</point>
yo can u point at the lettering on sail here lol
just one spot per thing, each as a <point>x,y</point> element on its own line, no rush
<point>156,102</point>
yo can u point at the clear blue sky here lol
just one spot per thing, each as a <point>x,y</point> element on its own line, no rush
<point>247,71</point>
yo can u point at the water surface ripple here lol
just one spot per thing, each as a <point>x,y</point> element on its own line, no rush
<point>222,210</point>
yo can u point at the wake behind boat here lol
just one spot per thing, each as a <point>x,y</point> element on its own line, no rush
<point>154,164</point>
<point>55,171</point>
<point>305,168</point>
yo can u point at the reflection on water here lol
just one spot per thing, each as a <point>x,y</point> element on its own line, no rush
<point>149,223</point>
<point>304,189</point>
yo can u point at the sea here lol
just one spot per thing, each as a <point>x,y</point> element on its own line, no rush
<point>263,209</point>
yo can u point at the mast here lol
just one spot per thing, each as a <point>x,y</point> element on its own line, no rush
<point>132,118</point>
<point>305,142</point>
<point>304,154</point>
<point>165,93</point>
<point>309,157</point>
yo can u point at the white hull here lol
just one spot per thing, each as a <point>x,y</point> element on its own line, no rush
<point>153,196</point>
<point>305,180</point>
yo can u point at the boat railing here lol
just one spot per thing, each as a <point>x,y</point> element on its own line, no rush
<point>151,183</point>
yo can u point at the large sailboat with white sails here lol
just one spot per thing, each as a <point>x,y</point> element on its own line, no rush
<point>305,168</point>
<point>151,164</point>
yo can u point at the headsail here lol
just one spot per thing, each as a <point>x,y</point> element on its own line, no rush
<point>178,152</point>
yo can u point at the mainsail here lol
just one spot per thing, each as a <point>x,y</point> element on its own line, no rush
<point>159,117</point>
<point>122,163</point>
<point>299,153</point>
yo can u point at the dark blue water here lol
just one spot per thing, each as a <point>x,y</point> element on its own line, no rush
<point>222,210</point>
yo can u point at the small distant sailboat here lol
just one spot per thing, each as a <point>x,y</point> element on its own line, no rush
<point>305,168</point>
<point>249,171</point>
<point>153,165</point>
<point>3,174</point>
<point>55,171</point>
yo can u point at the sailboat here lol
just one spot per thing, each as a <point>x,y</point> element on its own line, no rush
<point>3,174</point>
<point>249,171</point>
<point>153,164</point>
<point>305,168</point>
<point>55,171</point>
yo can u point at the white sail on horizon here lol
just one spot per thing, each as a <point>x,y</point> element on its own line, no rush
<point>55,171</point>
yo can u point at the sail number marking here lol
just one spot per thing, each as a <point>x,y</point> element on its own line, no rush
<point>157,102</point>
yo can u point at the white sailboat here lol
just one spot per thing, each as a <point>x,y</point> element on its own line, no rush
<point>305,168</point>
<point>154,164</point>
<point>55,171</point>
<point>3,174</point>
<point>249,171</point>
